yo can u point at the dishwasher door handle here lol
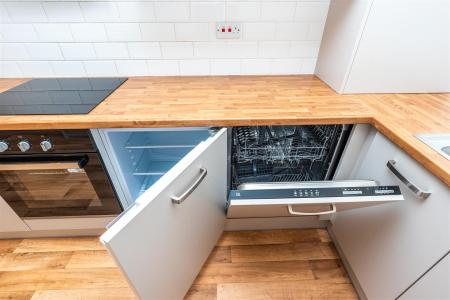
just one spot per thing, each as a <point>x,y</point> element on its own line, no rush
<point>320,213</point>
<point>182,197</point>
<point>414,188</point>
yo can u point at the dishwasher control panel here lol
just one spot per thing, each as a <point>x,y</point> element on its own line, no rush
<point>368,191</point>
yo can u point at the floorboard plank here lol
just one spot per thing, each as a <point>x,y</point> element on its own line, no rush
<point>283,252</point>
<point>25,295</point>
<point>61,279</point>
<point>255,272</point>
<point>8,246</point>
<point>84,260</point>
<point>264,237</point>
<point>86,294</point>
<point>329,269</point>
<point>34,261</point>
<point>59,244</point>
<point>202,292</point>
<point>286,290</point>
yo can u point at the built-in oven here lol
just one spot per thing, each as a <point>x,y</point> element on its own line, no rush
<point>58,173</point>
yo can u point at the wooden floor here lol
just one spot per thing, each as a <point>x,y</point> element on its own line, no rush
<point>276,264</point>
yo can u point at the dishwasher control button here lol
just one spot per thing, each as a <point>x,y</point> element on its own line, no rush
<point>24,145</point>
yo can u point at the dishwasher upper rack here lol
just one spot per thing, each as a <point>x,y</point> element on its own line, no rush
<point>291,144</point>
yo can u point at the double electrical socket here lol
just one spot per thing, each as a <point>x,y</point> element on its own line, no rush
<point>225,30</point>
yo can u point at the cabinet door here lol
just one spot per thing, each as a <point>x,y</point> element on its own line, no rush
<point>435,284</point>
<point>162,241</point>
<point>389,246</point>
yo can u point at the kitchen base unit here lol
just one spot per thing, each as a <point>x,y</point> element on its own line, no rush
<point>179,184</point>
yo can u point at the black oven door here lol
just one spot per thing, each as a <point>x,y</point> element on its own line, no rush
<point>57,186</point>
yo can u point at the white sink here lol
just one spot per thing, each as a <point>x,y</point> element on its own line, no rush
<point>439,142</point>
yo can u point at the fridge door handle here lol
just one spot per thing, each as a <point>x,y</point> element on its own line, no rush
<point>299,213</point>
<point>182,197</point>
<point>414,188</point>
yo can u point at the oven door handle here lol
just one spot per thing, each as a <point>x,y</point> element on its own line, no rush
<point>64,165</point>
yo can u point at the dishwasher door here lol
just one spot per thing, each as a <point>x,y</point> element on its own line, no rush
<point>314,198</point>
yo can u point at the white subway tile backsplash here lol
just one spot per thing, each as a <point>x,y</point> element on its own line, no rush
<point>210,49</point>
<point>292,31</point>
<point>4,16</point>
<point>286,66</point>
<point>111,50</point>
<point>11,51</point>
<point>144,50</point>
<point>242,50</point>
<point>132,67</point>
<point>99,11</point>
<point>158,31</point>
<point>158,37</point>
<point>256,66</point>
<point>225,67</point>
<point>171,11</point>
<point>273,49</point>
<point>36,68</point>
<point>194,67</point>
<point>177,50</point>
<point>88,32</point>
<point>44,51</point>
<point>191,31</point>
<point>63,11</point>
<point>18,33</point>
<point>311,11</point>
<point>259,31</point>
<point>118,32</point>
<point>278,11</point>
<point>78,51</point>
<point>208,11</point>
<point>308,65</point>
<point>243,11</point>
<point>53,32</point>
<point>163,67</point>
<point>10,69</point>
<point>304,49</point>
<point>136,11</point>
<point>25,12</point>
<point>68,68</point>
<point>100,68</point>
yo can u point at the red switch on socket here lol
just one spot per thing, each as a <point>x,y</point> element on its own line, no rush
<point>223,29</point>
<point>229,29</point>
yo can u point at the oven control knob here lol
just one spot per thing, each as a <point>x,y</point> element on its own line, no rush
<point>3,145</point>
<point>46,145</point>
<point>24,145</point>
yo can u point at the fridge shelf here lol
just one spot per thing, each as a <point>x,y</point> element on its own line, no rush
<point>148,182</point>
<point>166,139</point>
<point>155,161</point>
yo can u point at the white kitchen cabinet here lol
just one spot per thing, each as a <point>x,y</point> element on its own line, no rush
<point>382,46</point>
<point>388,247</point>
<point>9,220</point>
<point>434,285</point>
<point>177,185</point>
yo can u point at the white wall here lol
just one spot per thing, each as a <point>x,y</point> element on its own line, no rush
<point>108,38</point>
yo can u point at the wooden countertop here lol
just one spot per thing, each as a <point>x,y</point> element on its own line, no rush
<point>255,100</point>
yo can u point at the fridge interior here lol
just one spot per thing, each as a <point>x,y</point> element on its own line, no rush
<point>144,156</point>
<point>284,153</point>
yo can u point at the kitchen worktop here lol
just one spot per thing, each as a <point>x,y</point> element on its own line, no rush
<point>254,100</point>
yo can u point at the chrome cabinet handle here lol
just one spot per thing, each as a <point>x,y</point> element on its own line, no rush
<point>182,197</point>
<point>299,213</point>
<point>414,188</point>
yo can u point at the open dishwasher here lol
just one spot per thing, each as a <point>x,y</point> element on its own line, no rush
<point>281,171</point>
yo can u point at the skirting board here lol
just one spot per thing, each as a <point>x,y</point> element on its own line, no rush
<point>274,223</point>
<point>348,268</point>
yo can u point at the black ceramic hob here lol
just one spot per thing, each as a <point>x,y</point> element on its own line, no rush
<point>57,96</point>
